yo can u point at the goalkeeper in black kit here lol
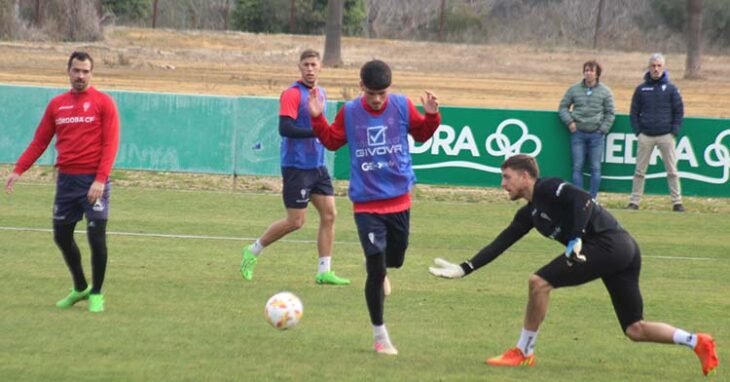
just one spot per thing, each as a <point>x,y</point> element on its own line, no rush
<point>596,247</point>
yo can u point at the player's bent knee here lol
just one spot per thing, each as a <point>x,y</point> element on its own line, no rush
<point>63,234</point>
<point>295,223</point>
<point>635,332</point>
<point>328,218</point>
<point>538,284</point>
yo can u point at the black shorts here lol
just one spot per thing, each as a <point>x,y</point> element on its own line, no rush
<point>615,258</point>
<point>386,233</point>
<point>71,201</point>
<point>298,184</point>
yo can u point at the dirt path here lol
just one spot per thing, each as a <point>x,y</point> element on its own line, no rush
<point>233,63</point>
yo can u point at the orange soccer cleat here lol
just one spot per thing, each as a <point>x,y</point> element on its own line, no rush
<point>705,350</point>
<point>512,357</point>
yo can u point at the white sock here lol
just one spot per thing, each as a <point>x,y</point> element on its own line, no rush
<point>256,248</point>
<point>527,341</point>
<point>380,333</point>
<point>685,338</point>
<point>324,264</point>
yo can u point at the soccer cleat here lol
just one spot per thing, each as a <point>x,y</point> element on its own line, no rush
<point>385,347</point>
<point>632,206</point>
<point>705,350</point>
<point>386,286</point>
<point>512,357</point>
<point>74,297</point>
<point>331,278</point>
<point>248,263</point>
<point>678,208</point>
<point>96,303</point>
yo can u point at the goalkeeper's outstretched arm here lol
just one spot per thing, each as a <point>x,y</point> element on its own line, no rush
<point>519,227</point>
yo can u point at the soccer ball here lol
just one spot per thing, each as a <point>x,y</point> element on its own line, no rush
<point>283,310</point>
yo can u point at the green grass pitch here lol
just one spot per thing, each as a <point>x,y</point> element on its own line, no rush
<point>178,310</point>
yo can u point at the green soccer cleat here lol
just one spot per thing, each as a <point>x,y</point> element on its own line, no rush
<point>248,263</point>
<point>73,298</point>
<point>96,303</point>
<point>331,278</point>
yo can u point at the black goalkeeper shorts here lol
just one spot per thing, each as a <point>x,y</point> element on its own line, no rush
<point>614,257</point>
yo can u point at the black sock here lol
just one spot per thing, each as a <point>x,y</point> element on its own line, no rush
<point>374,295</point>
<point>96,232</point>
<point>63,235</point>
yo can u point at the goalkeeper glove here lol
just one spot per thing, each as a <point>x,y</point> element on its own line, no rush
<point>572,252</point>
<point>446,269</point>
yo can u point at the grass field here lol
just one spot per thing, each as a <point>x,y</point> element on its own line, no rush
<point>178,310</point>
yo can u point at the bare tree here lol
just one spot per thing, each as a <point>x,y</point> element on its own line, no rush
<point>9,21</point>
<point>37,13</point>
<point>72,20</point>
<point>694,38</point>
<point>599,19</point>
<point>333,34</point>
<point>226,15</point>
<point>441,20</point>
<point>293,16</point>
<point>154,14</point>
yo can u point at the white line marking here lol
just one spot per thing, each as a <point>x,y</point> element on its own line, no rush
<point>232,238</point>
<point>165,235</point>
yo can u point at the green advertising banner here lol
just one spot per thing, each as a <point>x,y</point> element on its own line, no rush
<point>239,135</point>
<point>257,136</point>
<point>165,132</point>
<point>175,132</point>
<point>471,143</point>
<point>21,108</point>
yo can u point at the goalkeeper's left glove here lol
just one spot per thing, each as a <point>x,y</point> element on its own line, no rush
<point>572,252</point>
<point>446,269</point>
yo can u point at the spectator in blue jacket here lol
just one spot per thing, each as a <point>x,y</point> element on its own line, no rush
<point>656,117</point>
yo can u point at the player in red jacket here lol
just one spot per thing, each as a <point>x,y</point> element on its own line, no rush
<point>86,125</point>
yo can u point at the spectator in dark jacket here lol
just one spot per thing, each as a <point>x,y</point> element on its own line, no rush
<point>656,117</point>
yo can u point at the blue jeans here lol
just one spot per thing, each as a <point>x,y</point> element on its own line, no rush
<point>590,144</point>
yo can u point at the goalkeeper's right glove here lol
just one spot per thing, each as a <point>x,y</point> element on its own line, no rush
<point>572,252</point>
<point>446,269</point>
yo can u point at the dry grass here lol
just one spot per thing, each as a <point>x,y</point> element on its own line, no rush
<point>236,63</point>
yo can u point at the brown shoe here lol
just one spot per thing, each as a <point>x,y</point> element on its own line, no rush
<point>678,208</point>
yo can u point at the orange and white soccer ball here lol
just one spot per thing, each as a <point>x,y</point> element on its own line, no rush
<point>283,310</point>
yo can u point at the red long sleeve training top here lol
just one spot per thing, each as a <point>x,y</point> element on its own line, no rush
<point>86,126</point>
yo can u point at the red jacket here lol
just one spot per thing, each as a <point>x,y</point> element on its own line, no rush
<point>86,126</point>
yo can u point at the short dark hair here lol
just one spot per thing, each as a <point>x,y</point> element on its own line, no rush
<point>307,54</point>
<point>375,75</point>
<point>80,56</point>
<point>522,162</point>
<point>595,65</point>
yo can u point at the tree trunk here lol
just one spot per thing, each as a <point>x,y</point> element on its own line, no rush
<point>38,14</point>
<point>694,38</point>
<point>333,34</point>
<point>599,17</point>
<point>154,14</point>
<point>441,20</point>
<point>227,15</point>
<point>293,16</point>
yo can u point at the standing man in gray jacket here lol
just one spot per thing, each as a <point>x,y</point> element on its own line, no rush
<point>657,112</point>
<point>589,121</point>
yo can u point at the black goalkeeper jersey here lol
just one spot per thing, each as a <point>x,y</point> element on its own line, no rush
<point>558,210</point>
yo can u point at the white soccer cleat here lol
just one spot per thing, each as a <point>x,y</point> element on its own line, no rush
<point>386,286</point>
<point>385,347</point>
